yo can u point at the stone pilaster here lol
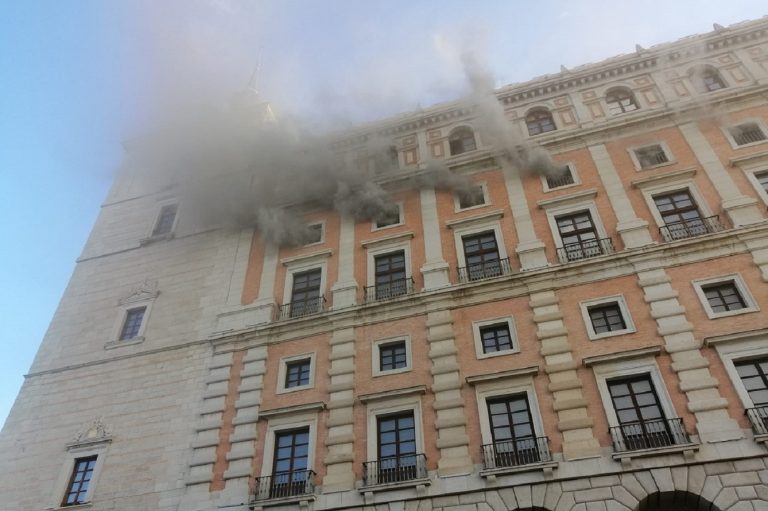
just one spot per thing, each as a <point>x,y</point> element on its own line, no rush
<point>529,249</point>
<point>741,209</point>
<point>696,381</point>
<point>452,439</point>
<point>345,289</point>
<point>265,303</point>
<point>435,269</point>
<point>632,229</point>
<point>339,471</point>
<point>573,418</point>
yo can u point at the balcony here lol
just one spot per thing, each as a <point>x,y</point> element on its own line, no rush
<point>300,309</point>
<point>395,469</point>
<point>285,485</point>
<point>484,270</point>
<point>585,249</point>
<point>648,435</point>
<point>388,291</point>
<point>758,416</point>
<point>516,453</point>
<point>691,228</point>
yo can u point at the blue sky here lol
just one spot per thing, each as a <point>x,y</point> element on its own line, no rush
<point>78,77</point>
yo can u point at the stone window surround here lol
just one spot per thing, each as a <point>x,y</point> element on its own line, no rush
<point>79,450</point>
<point>757,120</point>
<point>322,225</point>
<point>280,388</point>
<point>158,208</point>
<point>375,358</point>
<point>664,147</point>
<point>302,263</point>
<point>619,300</point>
<point>122,313</point>
<point>754,164</point>
<point>602,94</point>
<point>450,129</point>
<point>630,364</point>
<point>734,347</point>
<point>401,218</point>
<point>741,287</point>
<point>385,405</point>
<point>385,246</point>
<point>486,198</point>
<point>477,325</point>
<point>285,421</point>
<point>474,225</point>
<point>693,76</point>
<point>574,175</point>
<point>572,203</point>
<point>681,180</point>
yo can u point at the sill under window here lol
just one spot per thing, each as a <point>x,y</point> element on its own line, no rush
<point>155,238</point>
<point>119,344</point>
<point>727,314</point>
<point>84,505</point>
<point>547,467</point>
<point>686,449</point>
<point>411,483</point>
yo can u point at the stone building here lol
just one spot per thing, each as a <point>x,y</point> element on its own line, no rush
<point>586,341</point>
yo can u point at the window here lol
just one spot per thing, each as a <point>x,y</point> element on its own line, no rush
<point>313,234</point>
<point>754,377</point>
<point>393,355</point>
<point>165,220</point>
<point>651,156</point>
<point>746,133</point>
<point>724,296</point>
<point>389,218</point>
<point>305,293</point>
<point>620,101</point>
<point>296,372</point>
<point>606,317</point>
<point>390,275</point>
<point>711,81</point>
<point>681,217</point>
<point>496,338</point>
<point>512,431</point>
<point>290,465</point>
<point>471,198</point>
<point>762,180</point>
<point>579,237</point>
<point>482,257</point>
<point>461,140</point>
<point>77,489</point>
<point>564,177</point>
<point>132,323</point>
<point>539,121</point>
<point>397,456</point>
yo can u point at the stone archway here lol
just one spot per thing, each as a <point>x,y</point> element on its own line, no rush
<point>675,501</point>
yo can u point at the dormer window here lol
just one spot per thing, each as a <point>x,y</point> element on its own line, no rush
<point>620,101</point>
<point>462,140</point>
<point>539,121</point>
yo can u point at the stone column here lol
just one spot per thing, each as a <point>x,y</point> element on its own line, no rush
<point>345,289</point>
<point>633,230</point>
<point>573,418</point>
<point>530,249</point>
<point>741,209</point>
<point>452,438</point>
<point>435,269</point>
<point>700,387</point>
<point>339,471</point>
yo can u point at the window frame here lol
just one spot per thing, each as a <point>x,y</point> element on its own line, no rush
<point>566,207</point>
<point>471,228</point>
<point>305,263</point>
<point>751,171</point>
<point>483,185</point>
<point>389,406</point>
<point>478,339</point>
<point>738,349</point>
<point>286,422</point>
<point>456,129</point>
<point>282,372</point>
<point>401,219</point>
<point>537,110</point>
<point>616,89</point>
<point>321,223</point>
<point>158,209</point>
<point>664,147</point>
<point>676,185</point>
<point>741,287</point>
<point>126,305</point>
<point>726,129</point>
<point>83,449</point>
<point>376,356</point>
<point>383,247</point>
<point>574,176</point>
<point>605,300</point>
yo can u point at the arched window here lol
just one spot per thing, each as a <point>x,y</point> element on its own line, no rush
<point>462,140</point>
<point>620,101</point>
<point>539,121</point>
<point>710,80</point>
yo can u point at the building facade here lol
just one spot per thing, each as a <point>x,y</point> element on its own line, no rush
<point>590,340</point>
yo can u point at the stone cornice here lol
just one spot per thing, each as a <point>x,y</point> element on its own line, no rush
<point>484,217</point>
<point>666,177</point>
<point>621,355</point>
<point>739,160</point>
<point>292,410</point>
<point>391,394</point>
<point>567,199</point>
<point>714,340</point>
<point>386,240</point>
<point>503,375</point>
<point>322,254</point>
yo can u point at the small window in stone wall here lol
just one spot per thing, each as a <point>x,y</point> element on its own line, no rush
<point>474,196</point>
<point>560,178</point>
<point>651,156</point>
<point>747,133</point>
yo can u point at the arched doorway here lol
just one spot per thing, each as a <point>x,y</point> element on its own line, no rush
<point>675,501</point>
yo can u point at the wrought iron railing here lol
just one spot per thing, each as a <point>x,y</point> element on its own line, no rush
<point>747,135</point>
<point>485,270</point>
<point>300,309</point>
<point>651,434</point>
<point>515,453</point>
<point>561,179</point>
<point>691,228</point>
<point>389,290</point>
<point>758,416</point>
<point>395,469</point>
<point>285,484</point>
<point>585,249</point>
<point>651,159</point>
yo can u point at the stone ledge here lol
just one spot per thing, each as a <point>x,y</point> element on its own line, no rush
<point>287,410</point>
<point>547,466</point>
<point>621,355</point>
<point>491,215</point>
<point>686,449</point>
<point>413,483</point>
<point>302,500</point>
<point>512,373</point>
<point>376,396</point>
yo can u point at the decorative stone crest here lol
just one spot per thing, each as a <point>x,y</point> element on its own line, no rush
<point>147,290</point>
<point>93,431</point>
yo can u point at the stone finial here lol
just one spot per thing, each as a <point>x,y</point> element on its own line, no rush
<point>718,27</point>
<point>563,69</point>
<point>639,49</point>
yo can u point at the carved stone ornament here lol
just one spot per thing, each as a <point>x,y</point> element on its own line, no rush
<point>147,290</point>
<point>93,431</point>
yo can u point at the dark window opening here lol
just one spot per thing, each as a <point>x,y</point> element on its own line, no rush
<point>747,133</point>
<point>578,235</point>
<point>711,80</point>
<point>390,275</point>
<point>461,140</point>
<point>496,338</point>
<point>563,177</point>
<point>514,439</point>
<point>313,234</point>
<point>651,156</point>
<point>388,218</point>
<point>165,220</point>
<point>482,256</point>
<point>642,423</point>
<point>540,121</point>
<point>754,376</point>
<point>606,318</point>
<point>620,101</point>
<point>472,197</point>
<point>132,323</point>
<point>305,295</point>
<point>724,297</point>
<point>290,474</point>
<point>297,373</point>
<point>79,481</point>
<point>392,355</point>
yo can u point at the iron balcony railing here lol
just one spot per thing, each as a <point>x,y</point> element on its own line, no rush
<point>515,453</point>
<point>758,416</point>
<point>747,135</point>
<point>485,270</point>
<point>652,434</point>
<point>651,159</point>
<point>395,469</point>
<point>389,290</point>
<point>585,249</point>
<point>285,484</point>
<point>558,180</point>
<point>300,309</point>
<point>691,228</point>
